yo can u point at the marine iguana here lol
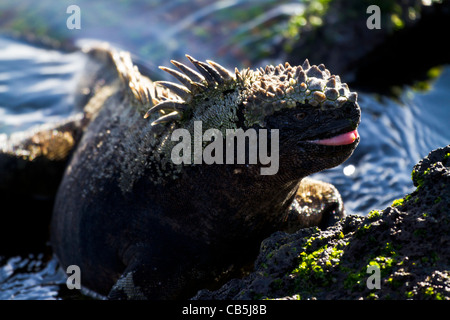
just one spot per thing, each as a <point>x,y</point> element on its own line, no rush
<point>140,226</point>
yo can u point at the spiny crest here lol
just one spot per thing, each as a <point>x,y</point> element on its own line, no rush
<point>209,76</point>
<point>140,87</point>
<point>283,86</point>
<point>262,92</point>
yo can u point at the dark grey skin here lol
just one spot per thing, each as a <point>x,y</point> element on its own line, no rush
<point>168,240</point>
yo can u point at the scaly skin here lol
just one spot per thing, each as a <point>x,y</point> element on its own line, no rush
<point>141,227</point>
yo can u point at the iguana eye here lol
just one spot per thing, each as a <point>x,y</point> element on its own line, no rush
<point>300,116</point>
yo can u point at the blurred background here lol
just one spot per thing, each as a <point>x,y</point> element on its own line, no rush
<point>401,72</point>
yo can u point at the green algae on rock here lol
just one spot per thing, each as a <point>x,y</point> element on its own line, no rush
<point>409,242</point>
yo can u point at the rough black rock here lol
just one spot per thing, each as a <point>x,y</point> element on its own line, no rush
<point>409,242</point>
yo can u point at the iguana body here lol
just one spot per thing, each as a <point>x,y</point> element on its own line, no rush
<point>140,226</point>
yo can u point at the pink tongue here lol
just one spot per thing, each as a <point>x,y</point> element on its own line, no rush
<point>342,139</point>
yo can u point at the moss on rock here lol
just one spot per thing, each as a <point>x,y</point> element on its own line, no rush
<point>409,242</point>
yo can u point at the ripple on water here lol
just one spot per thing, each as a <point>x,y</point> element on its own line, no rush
<point>30,278</point>
<point>36,85</point>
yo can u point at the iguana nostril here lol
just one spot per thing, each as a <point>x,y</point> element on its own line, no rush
<point>300,116</point>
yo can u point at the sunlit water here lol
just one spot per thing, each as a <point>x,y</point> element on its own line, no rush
<point>36,86</point>
<point>30,278</point>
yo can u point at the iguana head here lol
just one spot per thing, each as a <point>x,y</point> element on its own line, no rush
<point>315,112</point>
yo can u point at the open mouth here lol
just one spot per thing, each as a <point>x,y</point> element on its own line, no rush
<point>339,140</point>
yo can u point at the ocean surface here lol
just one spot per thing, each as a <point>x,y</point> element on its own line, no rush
<point>36,86</point>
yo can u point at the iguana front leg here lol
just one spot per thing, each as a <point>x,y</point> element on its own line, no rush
<point>316,203</point>
<point>151,274</point>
